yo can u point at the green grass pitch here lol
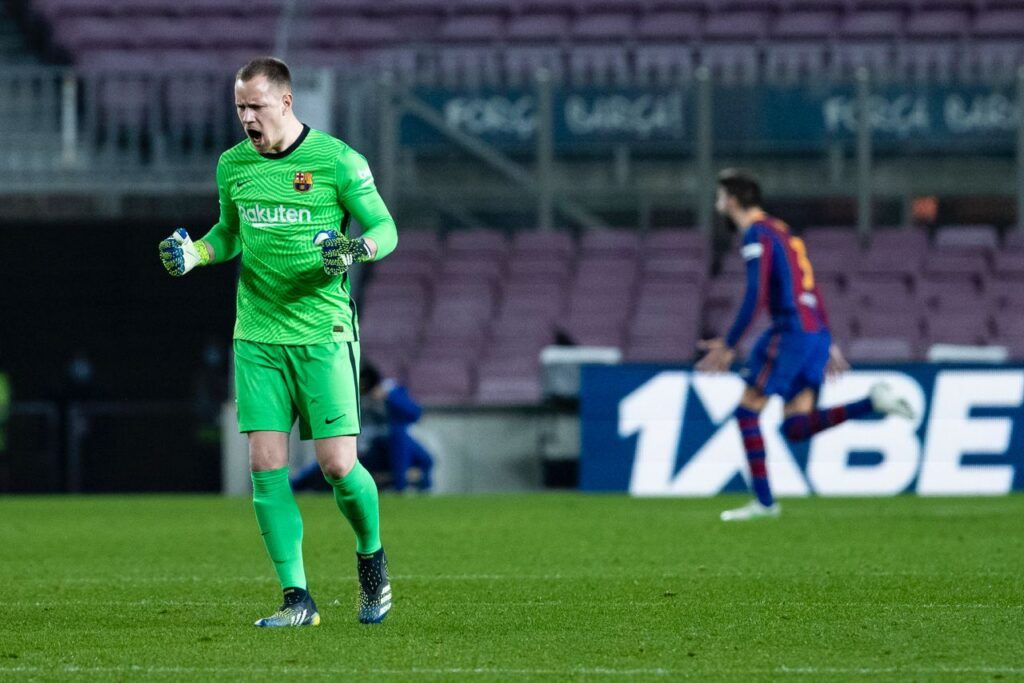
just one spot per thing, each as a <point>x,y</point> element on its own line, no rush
<point>540,587</point>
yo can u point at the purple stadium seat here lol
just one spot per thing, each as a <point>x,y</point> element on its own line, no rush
<point>675,242</point>
<point>943,264</point>
<point>733,266</point>
<point>384,291</point>
<point>391,331</point>
<point>440,382</point>
<point>476,28</point>
<point>880,295</point>
<point>903,240</point>
<point>974,238</point>
<point>1014,240</point>
<point>842,239</point>
<point>1007,293</point>
<point>615,243</point>
<point>594,330</point>
<point>805,25</point>
<point>532,291</point>
<point>503,383</point>
<point>442,348</point>
<point>90,33</point>
<point>875,350</point>
<point>422,243</point>
<point>883,324</point>
<point>833,264</point>
<point>602,28</point>
<point>353,32</point>
<point>1008,265</point>
<point>960,327</point>
<point>938,24</point>
<point>538,28</point>
<point>533,243</point>
<point>875,25</point>
<point>692,270</point>
<point>1011,327</point>
<point>405,269</point>
<point>999,24</point>
<point>679,5</point>
<point>671,324</point>
<point>669,290</point>
<point>668,26</point>
<point>725,291</point>
<point>949,292</point>
<point>566,7</point>
<point>477,243</point>
<point>545,267</point>
<point>736,26</point>
<point>597,6</point>
<point>889,266</point>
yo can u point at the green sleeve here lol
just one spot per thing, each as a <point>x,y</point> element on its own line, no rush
<point>358,194</point>
<point>223,236</point>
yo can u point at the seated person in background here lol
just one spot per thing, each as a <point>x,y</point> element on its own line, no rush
<point>388,411</point>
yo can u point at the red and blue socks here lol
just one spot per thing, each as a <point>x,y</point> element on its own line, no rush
<point>804,426</point>
<point>753,444</point>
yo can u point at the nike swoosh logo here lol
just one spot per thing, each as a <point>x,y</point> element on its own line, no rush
<point>326,421</point>
<point>242,182</point>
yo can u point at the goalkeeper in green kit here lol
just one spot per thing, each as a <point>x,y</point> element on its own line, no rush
<point>287,194</point>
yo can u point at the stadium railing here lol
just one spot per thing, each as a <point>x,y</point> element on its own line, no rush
<point>572,149</point>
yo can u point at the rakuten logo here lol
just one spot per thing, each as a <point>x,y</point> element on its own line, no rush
<point>264,217</point>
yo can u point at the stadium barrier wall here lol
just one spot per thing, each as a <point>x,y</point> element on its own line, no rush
<point>656,430</point>
<point>475,449</point>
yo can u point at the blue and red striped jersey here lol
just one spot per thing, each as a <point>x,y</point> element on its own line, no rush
<point>779,278</point>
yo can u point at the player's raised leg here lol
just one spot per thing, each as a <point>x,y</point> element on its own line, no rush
<point>281,527</point>
<point>355,492</point>
<point>802,421</point>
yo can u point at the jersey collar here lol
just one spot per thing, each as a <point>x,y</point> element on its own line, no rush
<point>291,148</point>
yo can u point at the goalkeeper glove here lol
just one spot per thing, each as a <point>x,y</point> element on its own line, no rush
<point>180,254</point>
<point>339,253</point>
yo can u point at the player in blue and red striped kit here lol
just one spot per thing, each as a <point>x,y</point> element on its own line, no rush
<point>792,358</point>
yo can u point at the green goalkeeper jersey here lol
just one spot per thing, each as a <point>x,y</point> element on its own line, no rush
<point>271,207</point>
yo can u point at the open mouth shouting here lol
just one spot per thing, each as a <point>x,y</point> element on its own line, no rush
<point>256,136</point>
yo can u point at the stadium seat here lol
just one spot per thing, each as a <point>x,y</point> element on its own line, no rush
<point>440,382</point>
<point>963,238</point>
<point>962,327</point>
<point>874,349</point>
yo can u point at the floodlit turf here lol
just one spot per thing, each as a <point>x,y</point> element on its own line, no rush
<point>539,587</point>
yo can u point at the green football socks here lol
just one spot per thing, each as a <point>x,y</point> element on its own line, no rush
<point>356,496</point>
<point>281,524</point>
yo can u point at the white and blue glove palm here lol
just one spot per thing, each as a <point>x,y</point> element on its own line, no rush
<point>339,252</point>
<point>180,254</point>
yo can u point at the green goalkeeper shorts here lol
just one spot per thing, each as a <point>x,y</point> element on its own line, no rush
<point>316,383</point>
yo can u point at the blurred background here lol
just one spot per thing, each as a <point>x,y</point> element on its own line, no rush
<point>550,164</point>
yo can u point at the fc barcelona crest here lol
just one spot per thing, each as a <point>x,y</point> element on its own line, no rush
<point>303,181</point>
